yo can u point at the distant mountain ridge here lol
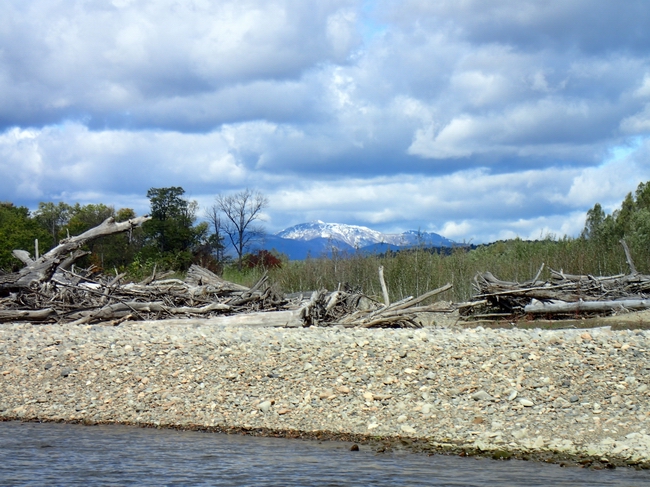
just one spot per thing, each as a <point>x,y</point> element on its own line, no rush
<point>318,238</point>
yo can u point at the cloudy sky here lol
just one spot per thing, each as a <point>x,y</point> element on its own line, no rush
<point>477,120</point>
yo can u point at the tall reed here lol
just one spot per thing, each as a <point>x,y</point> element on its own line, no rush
<point>416,271</point>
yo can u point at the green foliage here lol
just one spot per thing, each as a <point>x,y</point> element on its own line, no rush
<point>53,217</point>
<point>18,231</point>
<point>170,229</point>
<point>630,222</point>
<point>172,240</point>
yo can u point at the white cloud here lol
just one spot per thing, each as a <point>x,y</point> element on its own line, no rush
<point>476,120</point>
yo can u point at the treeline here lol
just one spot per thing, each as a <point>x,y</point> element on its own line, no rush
<point>173,239</point>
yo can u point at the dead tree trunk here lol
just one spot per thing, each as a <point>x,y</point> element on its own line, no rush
<point>43,268</point>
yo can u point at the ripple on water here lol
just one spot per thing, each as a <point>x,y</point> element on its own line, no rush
<point>62,454</point>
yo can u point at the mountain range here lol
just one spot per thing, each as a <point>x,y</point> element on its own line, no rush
<point>318,238</point>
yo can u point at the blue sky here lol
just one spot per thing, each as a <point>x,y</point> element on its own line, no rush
<point>477,120</point>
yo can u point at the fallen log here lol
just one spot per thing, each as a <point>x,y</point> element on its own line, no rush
<point>7,315</point>
<point>44,267</point>
<point>587,306</point>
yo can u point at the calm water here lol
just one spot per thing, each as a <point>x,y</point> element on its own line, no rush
<point>68,455</point>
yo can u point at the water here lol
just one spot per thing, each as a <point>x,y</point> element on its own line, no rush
<point>68,455</point>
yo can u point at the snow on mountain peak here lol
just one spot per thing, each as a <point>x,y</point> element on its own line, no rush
<point>353,235</point>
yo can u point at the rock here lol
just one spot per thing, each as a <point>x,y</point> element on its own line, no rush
<point>354,447</point>
<point>482,396</point>
<point>264,406</point>
<point>560,402</point>
<point>407,429</point>
<point>326,393</point>
<point>526,402</point>
<point>574,399</point>
<point>520,433</point>
<point>402,418</point>
<point>368,396</point>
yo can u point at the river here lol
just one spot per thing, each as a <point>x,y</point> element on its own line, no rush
<point>48,454</point>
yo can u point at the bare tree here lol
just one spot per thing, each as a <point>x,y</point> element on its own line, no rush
<point>241,211</point>
<point>213,215</point>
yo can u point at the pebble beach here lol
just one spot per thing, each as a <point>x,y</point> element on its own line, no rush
<point>580,397</point>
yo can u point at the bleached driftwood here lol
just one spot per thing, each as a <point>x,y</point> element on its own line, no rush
<point>43,268</point>
<point>47,291</point>
<point>587,306</point>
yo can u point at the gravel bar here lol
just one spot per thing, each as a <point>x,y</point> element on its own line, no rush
<point>572,396</point>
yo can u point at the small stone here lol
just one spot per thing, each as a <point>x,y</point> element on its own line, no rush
<point>642,388</point>
<point>407,429</point>
<point>368,396</point>
<point>401,418</point>
<point>325,394</point>
<point>403,354</point>
<point>519,434</point>
<point>354,447</point>
<point>586,337</point>
<point>426,409</point>
<point>560,402</point>
<point>574,399</point>
<point>284,411</point>
<point>512,396</point>
<point>265,406</point>
<point>482,396</point>
<point>526,402</point>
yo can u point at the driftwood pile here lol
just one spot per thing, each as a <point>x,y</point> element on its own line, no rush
<point>50,290</point>
<point>563,294</point>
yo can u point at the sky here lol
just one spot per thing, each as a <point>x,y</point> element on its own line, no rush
<point>476,120</point>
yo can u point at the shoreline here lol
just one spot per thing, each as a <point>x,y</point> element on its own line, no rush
<point>574,397</point>
<point>382,444</point>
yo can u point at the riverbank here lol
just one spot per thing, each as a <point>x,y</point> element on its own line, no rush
<point>559,395</point>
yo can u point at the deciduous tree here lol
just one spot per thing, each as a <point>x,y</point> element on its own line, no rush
<point>17,232</point>
<point>241,212</point>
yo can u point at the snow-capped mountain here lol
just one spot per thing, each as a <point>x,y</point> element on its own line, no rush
<point>318,238</point>
<point>355,236</point>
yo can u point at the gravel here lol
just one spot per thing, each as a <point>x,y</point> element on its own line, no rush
<point>559,394</point>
